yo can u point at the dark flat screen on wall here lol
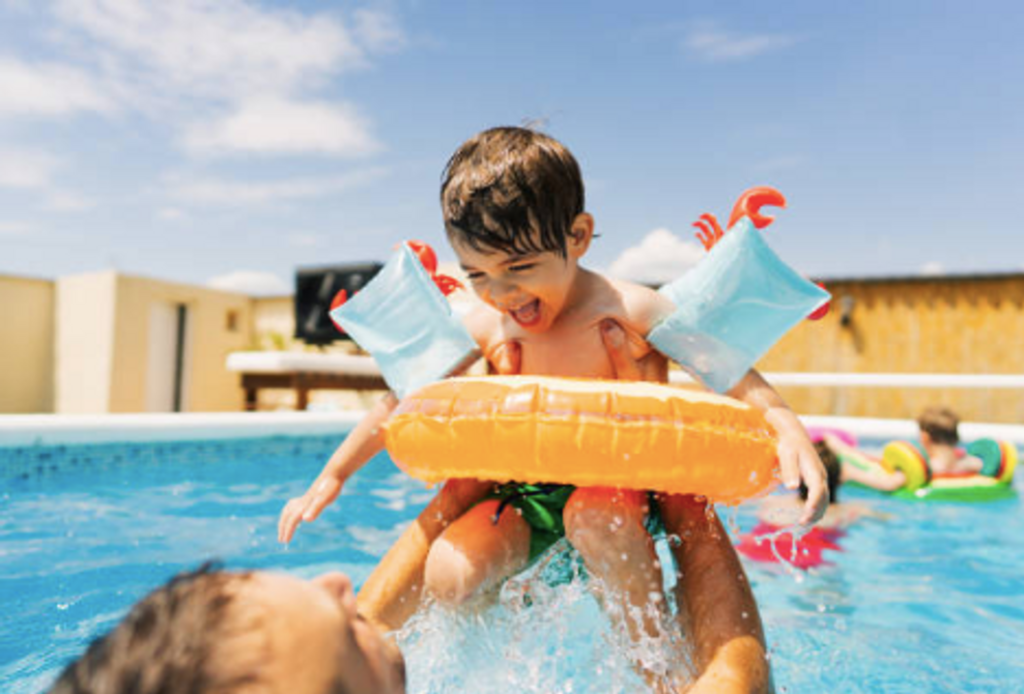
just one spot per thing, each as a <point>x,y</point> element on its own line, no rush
<point>314,290</point>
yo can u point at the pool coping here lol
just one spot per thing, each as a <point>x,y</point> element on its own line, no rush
<point>890,429</point>
<point>49,430</point>
<point>28,430</point>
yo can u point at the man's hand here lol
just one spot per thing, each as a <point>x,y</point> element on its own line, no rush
<point>626,367</point>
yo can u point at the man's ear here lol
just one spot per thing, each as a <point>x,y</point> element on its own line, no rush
<point>581,233</point>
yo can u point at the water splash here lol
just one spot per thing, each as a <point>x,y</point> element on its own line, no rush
<point>543,632</point>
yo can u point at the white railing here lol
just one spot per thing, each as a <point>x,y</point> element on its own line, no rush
<point>881,380</point>
<point>277,362</point>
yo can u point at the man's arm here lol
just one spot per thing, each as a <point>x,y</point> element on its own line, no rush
<point>717,609</point>
<point>393,591</point>
<point>716,605</point>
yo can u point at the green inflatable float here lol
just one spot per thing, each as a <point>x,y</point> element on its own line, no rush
<point>995,481</point>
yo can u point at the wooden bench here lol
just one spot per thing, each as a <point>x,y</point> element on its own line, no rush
<point>303,372</point>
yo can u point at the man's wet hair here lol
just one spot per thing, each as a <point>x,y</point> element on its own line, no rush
<point>166,644</point>
<point>512,190</point>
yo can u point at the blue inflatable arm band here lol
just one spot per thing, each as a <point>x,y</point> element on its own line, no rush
<point>403,320</point>
<point>732,307</point>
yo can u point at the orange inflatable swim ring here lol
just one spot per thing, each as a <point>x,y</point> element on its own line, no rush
<point>627,434</point>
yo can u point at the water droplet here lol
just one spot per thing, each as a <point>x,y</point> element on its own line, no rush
<point>625,556</point>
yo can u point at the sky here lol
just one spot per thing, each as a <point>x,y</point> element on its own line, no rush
<point>230,142</point>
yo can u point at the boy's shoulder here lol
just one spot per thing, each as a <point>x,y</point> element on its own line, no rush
<point>480,319</point>
<point>641,306</point>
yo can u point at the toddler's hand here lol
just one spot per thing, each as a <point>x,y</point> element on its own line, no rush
<point>307,508</point>
<point>800,463</point>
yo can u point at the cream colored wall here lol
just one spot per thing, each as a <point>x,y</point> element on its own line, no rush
<point>209,387</point>
<point>102,355</point>
<point>273,321</point>
<point>26,343</point>
<point>84,342</point>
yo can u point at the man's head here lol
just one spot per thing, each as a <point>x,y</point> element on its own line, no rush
<point>512,201</point>
<point>213,631</point>
<point>939,425</point>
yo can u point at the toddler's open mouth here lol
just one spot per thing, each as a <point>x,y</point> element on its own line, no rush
<point>526,315</point>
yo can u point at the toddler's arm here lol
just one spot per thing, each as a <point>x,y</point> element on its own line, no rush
<point>364,442</point>
<point>797,457</point>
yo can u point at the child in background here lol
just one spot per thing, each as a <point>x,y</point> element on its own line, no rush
<point>773,539</point>
<point>513,208</point>
<point>938,430</point>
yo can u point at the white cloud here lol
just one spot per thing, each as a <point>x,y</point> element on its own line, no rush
<point>378,31</point>
<point>932,268</point>
<point>68,201</point>
<point>170,214</point>
<point>215,48</point>
<point>305,240</point>
<point>48,90</point>
<point>251,282</point>
<point>710,43</point>
<point>12,228</point>
<point>276,126</point>
<point>660,257</point>
<point>226,192</point>
<point>233,75</point>
<point>26,169</point>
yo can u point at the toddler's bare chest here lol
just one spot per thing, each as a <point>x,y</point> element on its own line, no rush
<point>578,353</point>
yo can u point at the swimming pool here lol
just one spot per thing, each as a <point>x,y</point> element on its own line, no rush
<point>929,601</point>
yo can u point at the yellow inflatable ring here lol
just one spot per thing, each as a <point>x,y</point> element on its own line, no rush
<point>626,434</point>
<point>908,459</point>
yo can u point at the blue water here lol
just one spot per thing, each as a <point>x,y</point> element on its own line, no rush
<point>930,600</point>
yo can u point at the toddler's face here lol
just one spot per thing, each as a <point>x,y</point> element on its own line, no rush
<point>532,289</point>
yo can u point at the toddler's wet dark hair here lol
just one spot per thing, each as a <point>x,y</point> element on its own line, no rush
<point>512,190</point>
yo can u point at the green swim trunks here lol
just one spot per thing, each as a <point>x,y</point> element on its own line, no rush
<point>541,506</point>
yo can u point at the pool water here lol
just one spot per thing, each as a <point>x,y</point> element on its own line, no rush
<point>929,600</point>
